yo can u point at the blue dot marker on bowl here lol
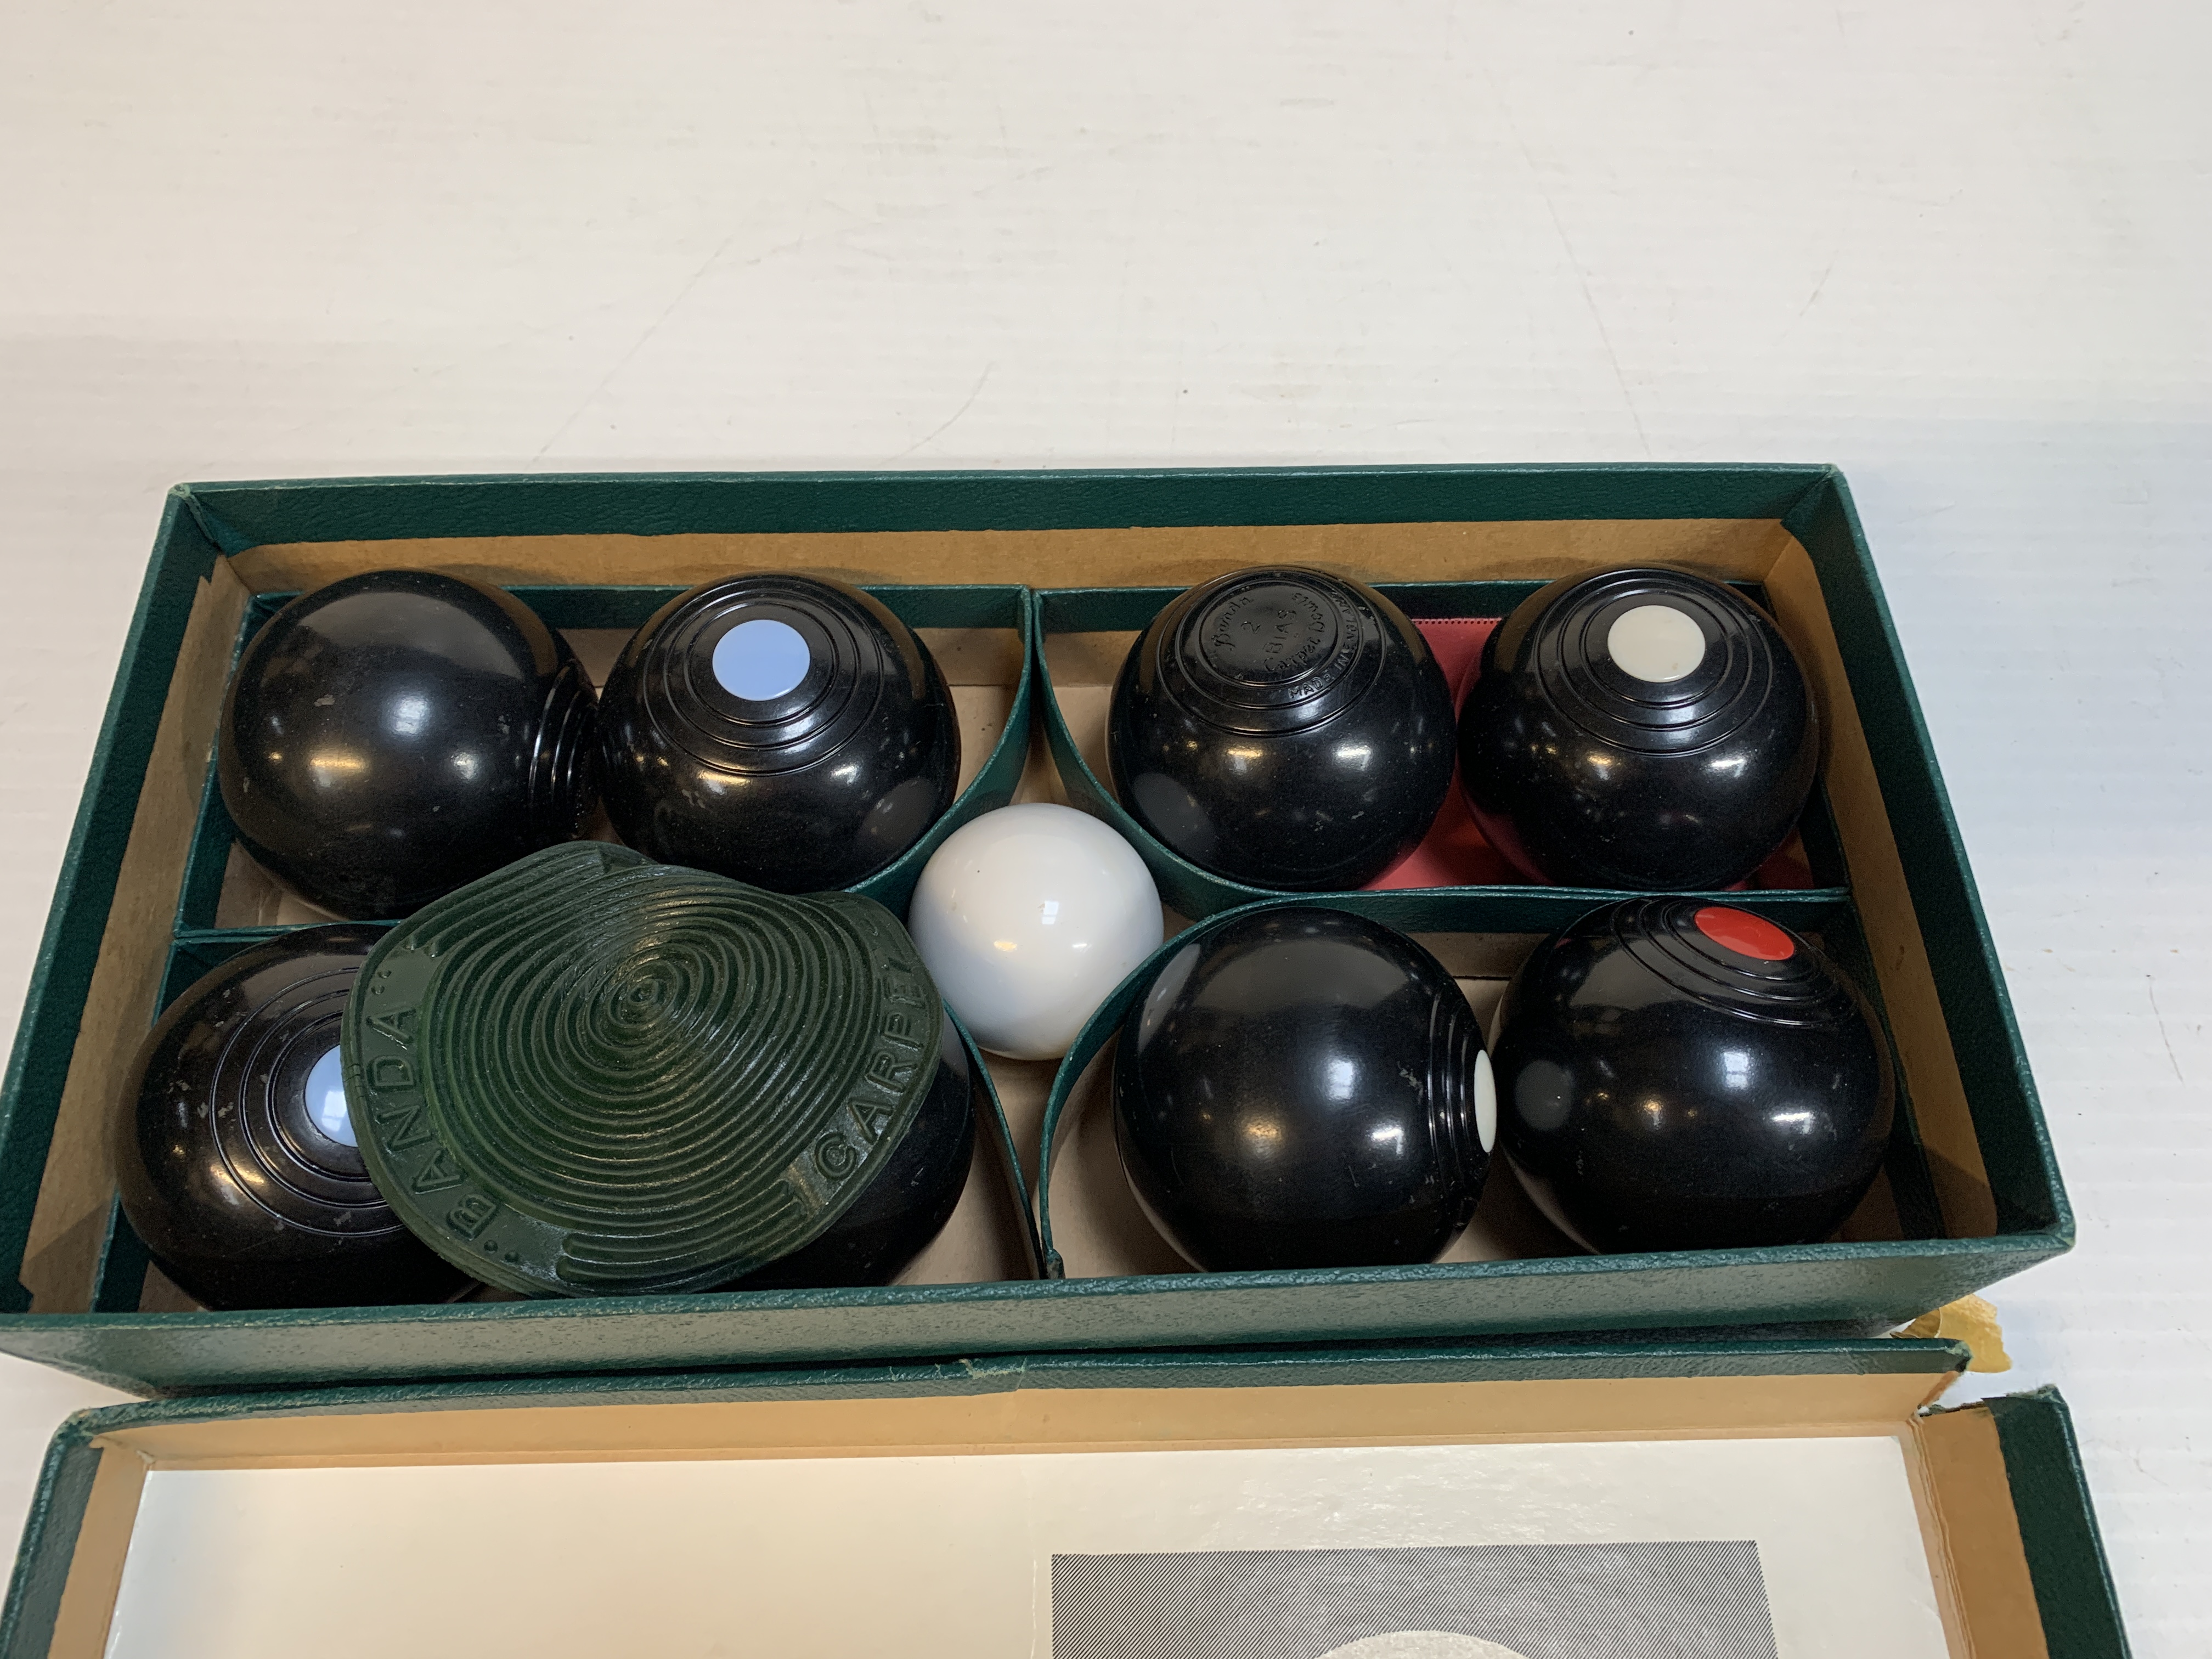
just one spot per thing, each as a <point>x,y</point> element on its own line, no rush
<point>326,1100</point>
<point>761,660</point>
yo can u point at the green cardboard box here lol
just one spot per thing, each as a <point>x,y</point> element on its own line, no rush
<point>150,883</point>
<point>1977,1518</point>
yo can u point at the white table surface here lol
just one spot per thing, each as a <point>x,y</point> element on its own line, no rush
<point>1960,250</point>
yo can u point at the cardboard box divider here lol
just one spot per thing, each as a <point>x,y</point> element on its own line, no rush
<point>980,637</point>
<point>1084,635</point>
<point>592,552</point>
<point>1091,1227</point>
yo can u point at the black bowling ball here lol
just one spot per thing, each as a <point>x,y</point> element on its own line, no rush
<point>1285,728</point>
<point>395,735</point>
<point>1304,1088</point>
<point>1642,728</point>
<point>784,730</point>
<point>1673,1076</point>
<point>905,1204</point>
<point>235,1157</point>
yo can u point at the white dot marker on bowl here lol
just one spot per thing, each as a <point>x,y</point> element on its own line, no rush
<point>761,660</point>
<point>1656,642</point>
<point>326,1100</point>
<point>1486,1101</point>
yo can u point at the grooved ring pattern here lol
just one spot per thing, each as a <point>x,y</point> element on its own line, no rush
<point>590,1073</point>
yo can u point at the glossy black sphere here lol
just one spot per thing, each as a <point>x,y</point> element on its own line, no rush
<point>905,1204</point>
<point>234,1155</point>
<point>1673,1077</point>
<point>395,735</point>
<point>784,730</point>
<point>1285,728</point>
<point>1642,728</point>
<point>1304,1088</point>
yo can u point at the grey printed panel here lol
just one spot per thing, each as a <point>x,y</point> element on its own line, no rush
<point>1703,1599</point>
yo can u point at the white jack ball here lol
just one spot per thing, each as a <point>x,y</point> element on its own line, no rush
<point>1028,918</point>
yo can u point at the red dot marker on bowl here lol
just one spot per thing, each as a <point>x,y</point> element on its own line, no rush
<point>1744,935</point>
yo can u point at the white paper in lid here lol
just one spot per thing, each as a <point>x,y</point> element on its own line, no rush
<point>1807,1547</point>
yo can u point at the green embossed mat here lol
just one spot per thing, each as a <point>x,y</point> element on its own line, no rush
<point>589,1073</point>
